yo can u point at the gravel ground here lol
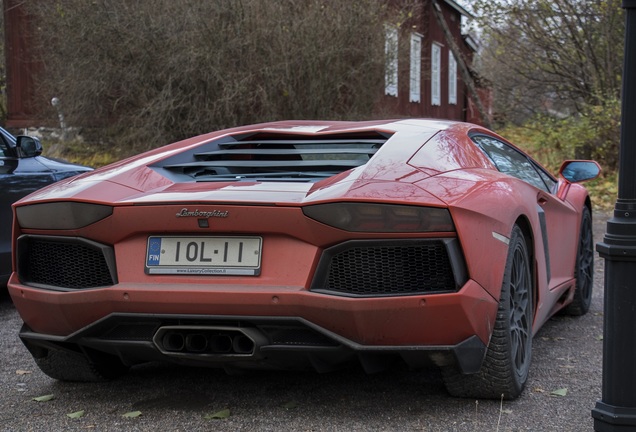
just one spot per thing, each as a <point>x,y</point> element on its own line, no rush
<point>567,358</point>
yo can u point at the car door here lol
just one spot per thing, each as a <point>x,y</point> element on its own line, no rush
<point>559,220</point>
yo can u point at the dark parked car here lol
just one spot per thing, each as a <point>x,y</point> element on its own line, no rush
<point>22,171</point>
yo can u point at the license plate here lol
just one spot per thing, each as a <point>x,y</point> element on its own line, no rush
<point>204,255</point>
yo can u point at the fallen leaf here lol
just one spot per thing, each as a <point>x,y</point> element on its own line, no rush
<point>290,405</point>
<point>76,414</point>
<point>132,414</point>
<point>22,372</point>
<point>539,390</point>
<point>560,392</point>
<point>44,398</point>
<point>219,415</point>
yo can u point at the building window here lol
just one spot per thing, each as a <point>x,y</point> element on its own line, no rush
<point>416,68</point>
<point>436,63</point>
<point>391,66</point>
<point>452,79</point>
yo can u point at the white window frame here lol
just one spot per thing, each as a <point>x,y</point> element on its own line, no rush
<point>436,75</point>
<point>452,79</point>
<point>415,87</point>
<point>391,56</point>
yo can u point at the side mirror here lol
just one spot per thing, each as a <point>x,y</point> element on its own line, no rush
<point>28,147</point>
<point>579,170</point>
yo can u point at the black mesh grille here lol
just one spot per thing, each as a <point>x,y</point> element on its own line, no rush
<point>381,270</point>
<point>269,156</point>
<point>67,263</point>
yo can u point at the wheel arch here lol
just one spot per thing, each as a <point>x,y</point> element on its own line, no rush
<point>588,204</point>
<point>526,228</point>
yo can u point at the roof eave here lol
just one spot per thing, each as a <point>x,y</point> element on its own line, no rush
<point>459,9</point>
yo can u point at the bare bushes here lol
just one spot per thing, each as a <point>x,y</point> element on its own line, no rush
<point>153,71</point>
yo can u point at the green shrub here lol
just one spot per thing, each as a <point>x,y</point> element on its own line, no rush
<point>151,72</point>
<point>593,135</point>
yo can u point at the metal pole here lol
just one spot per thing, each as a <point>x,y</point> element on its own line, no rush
<point>616,411</point>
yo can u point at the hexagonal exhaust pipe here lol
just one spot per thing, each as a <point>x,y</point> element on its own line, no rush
<point>209,341</point>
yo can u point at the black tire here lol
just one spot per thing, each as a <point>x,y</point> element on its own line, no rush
<point>76,366</point>
<point>584,269</point>
<point>504,371</point>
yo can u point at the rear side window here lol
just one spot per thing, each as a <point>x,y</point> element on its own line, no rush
<point>509,160</point>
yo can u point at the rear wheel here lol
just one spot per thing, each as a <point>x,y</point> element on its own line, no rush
<point>76,366</point>
<point>584,271</point>
<point>504,371</point>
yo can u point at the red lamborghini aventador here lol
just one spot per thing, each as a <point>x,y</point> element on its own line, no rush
<point>307,244</point>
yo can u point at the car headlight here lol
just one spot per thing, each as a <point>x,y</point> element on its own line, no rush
<point>61,215</point>
<point>369,217</point>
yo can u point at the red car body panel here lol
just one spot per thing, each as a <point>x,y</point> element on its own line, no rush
<point>404,321</point>
<point>425,163</point>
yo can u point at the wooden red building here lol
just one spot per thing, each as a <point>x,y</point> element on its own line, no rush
<point>21,66</point>
<point>428,71</point>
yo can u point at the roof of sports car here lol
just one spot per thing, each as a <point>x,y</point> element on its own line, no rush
<point>315,160</point>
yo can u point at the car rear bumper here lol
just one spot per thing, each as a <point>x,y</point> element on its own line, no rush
<point>283,328</point>
<point>251,343</point>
